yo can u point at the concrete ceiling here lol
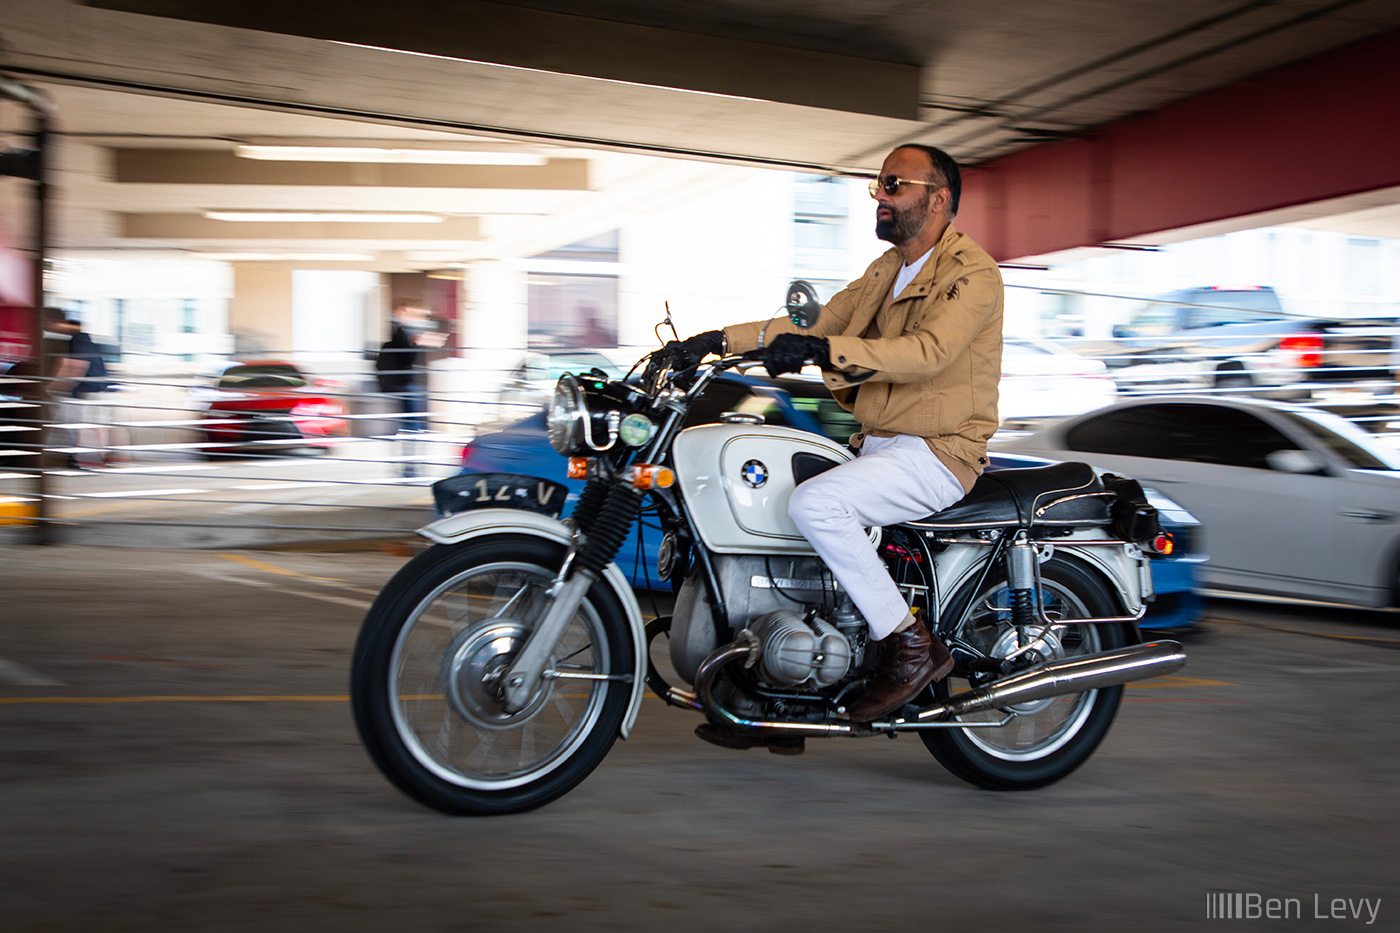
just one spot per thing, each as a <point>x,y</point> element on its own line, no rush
<point>624,101</point>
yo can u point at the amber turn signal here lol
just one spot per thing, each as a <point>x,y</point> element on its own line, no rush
<point>648,476</point>
<point>578,468</point>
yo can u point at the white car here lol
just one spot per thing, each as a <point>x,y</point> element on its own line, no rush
<point>1294,502</point>
<point>1042,380</point>
<point>528,385</point>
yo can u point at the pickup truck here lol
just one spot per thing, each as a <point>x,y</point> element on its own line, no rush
<point>1241,339</point>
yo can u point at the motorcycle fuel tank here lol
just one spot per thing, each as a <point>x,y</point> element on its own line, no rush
<point>737,479</point>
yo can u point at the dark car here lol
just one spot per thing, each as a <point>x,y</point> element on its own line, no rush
<point>805,404</point>
<point>1240,339</point>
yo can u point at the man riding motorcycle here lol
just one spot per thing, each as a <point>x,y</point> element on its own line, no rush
<point>913,350</point>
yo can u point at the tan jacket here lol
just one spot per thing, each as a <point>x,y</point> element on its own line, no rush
<point>934,367</point>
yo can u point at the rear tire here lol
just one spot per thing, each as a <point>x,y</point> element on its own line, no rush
<point>1049,738</point>
<point>423,687</point>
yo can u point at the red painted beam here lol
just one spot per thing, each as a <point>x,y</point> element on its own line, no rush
<point>1323,128</point>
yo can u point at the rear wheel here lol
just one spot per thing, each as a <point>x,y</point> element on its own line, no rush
<point>426,670</point>
<point>1048,738</point>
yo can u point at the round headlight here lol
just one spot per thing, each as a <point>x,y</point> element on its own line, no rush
<point>567,412</point>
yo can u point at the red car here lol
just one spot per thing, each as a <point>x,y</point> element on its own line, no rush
<point>260,404</point>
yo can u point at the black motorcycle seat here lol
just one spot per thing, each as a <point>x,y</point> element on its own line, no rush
<point>1060,494</point>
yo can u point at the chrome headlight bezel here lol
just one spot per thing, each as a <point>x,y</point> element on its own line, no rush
<point>583,417</point>
<point>568,412</point>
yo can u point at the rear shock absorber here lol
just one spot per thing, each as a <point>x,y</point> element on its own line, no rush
<point>1020,579</point>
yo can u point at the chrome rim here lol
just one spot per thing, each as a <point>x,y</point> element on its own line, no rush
<point>444,668</point>
<point>1041,726</point>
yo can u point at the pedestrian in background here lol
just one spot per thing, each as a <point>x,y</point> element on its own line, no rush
<point>77,382</point>
<point>401,370</point>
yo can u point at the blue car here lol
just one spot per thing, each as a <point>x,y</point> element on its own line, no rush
<point>805,404</point>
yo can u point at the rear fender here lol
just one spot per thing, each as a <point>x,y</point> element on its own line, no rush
<point>477,523</point>
<point>1120,572</point>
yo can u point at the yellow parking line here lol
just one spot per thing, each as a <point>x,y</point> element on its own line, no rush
<point>7,701</point>
<point>342,698</point>
<point>1182,682</point>
<point>259,565</point>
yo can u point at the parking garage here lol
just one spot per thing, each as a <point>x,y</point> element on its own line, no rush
<point>222,186</point>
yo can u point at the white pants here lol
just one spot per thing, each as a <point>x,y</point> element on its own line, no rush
<point>895,479</point>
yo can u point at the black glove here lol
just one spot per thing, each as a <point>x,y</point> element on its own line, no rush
<point>789,352</point>
<point>684,354</point>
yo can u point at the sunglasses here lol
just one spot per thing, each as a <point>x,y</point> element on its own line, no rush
<point>890,184</point>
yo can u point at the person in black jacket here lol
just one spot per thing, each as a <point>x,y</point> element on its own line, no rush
<point>77,381</point>
<point>402,372</point>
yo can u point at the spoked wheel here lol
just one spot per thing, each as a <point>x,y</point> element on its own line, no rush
<point>1046,739</point>
<point>425,679</point>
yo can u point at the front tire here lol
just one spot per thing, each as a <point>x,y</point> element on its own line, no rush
<point>1049,738</point>
<point>423,679</point>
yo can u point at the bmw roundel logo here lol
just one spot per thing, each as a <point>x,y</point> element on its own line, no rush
<point>755,473</point>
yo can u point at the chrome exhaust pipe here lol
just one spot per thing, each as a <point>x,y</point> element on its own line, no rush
<point>1055,678</point>
<point>746,649</point>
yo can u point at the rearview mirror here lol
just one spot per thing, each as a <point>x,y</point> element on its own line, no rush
<point>803,306</point>
<point>1294,461</point>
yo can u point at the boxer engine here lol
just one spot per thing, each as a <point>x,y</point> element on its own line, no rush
<point>810,634</point>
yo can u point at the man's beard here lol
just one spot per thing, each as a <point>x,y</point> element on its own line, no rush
<point>903,225</point>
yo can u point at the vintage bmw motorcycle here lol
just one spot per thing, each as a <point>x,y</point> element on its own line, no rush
<point>497,668</point>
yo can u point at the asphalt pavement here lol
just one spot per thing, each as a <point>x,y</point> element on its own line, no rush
<point>178,754</point>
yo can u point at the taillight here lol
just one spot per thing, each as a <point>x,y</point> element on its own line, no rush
<point>1306,350</point>
<point>317,409</point>
<point>467,452</point>
<point>1163,545</point>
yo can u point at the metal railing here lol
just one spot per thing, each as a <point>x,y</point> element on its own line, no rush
<point>168,457</point>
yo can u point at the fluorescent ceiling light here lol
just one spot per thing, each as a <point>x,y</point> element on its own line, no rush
<point>321,217</point>
<point>374,154</point>
<point>286,257</point>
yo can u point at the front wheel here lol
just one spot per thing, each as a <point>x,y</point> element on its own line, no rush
<point>424,679</point>
<point>1046,739</point>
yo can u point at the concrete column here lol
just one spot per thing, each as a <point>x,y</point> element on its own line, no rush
<point>260,312</point>
<point>495,313</point>
<point>493,330</point>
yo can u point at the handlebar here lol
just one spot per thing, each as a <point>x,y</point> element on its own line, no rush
<point>695,377</point>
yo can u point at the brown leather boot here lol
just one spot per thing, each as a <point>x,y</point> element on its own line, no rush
<point>909,661</point>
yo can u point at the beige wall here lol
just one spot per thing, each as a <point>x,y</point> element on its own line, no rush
<point>260,312</point>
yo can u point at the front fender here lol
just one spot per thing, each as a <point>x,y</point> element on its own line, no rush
<point>477,523</point>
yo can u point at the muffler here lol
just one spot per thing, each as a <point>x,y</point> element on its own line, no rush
<point>1055,678</point>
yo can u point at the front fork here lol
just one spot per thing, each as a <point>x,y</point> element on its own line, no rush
<point>602,518</point>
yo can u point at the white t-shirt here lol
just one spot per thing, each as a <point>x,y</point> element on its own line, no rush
<point>907,273</point>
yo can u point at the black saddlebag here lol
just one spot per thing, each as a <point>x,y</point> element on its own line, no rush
<point>1134,518</point>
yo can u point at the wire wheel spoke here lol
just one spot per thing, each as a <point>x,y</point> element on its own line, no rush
<point>445,671</point>
<point>1040,725</point>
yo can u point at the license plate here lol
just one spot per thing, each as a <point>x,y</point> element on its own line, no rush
<point>499,491</point>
